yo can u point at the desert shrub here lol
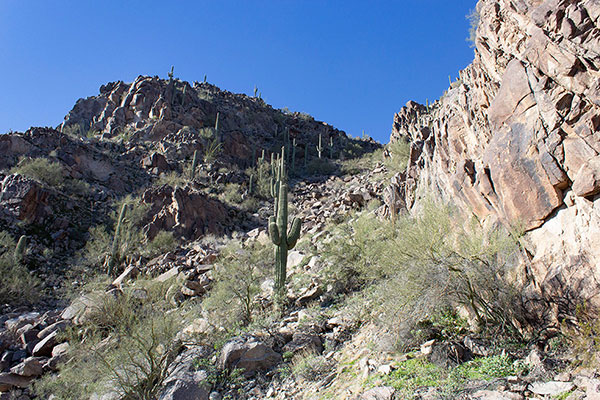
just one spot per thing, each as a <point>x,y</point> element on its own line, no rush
<point>414,374</point>
<point>473,17</point>
<point>355,163</point>
<point>19,286</point>
<point>131,239</point>
<point>163,242</point>
<point>321,166</point>
<point>310,366</point>
<point>42,170</point>
<point>125,347</point>
<point>238,274</point>
<point>583,337</point>
<point>421,265</point>
<point>399,152</point>
<point>172,179</point>
<point>232,194</point>
<point>250,204</point>
<point>50,173</point>
<point>262,179</point>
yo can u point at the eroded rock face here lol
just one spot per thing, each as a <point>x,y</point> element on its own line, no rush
<point>184,211</point>
<point>516,140</point>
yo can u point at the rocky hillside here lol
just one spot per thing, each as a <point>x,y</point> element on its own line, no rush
<point>137,248</point>
<point>515,140</point>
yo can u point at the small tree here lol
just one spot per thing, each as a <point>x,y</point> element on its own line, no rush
<point>238,275</point>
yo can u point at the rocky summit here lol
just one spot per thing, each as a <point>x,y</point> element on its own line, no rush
<point>172,240</point>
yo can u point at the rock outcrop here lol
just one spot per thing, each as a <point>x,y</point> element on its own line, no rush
<point>516,140</point>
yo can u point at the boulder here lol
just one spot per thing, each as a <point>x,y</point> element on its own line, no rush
<point>185,381</point>
<point>379,393</point>
<point>249,354</point>
<point>31,366</point>
<point>45,346</point>
<point>10,381</point>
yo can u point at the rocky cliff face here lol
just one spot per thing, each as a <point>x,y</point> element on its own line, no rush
<point>174,115</point>
<point>516,140</point>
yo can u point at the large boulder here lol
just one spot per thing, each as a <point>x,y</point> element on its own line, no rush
<point>185,381</point>
<point>249,354</point>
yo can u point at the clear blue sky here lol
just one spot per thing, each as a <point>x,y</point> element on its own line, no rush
<point>350,63</point>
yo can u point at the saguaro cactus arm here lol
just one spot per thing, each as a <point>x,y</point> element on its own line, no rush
<point>274,231</point>
<point>294,233</point>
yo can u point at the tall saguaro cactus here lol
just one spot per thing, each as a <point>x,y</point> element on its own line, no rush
<point>320,146</point>
<point>283,239</point>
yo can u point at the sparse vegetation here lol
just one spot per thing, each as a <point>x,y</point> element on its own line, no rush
<point>405,273</point>
<point>238,275</point>
<point>418,373</point>
<point>125,347</point>
<point>42,170</point>
<point>473,18</point>
<point>101,246</point>
<point>19,286</point>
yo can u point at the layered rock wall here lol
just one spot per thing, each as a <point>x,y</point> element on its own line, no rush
<point>516,140</point>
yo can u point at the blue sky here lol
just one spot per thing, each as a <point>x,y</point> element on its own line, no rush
<point>350,63</point>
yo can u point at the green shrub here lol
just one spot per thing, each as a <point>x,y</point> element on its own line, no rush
<point>321,166</point>
<point>42,170</point>
<point>131,242</point>
<point>418,373</point>
<point>19,286</point>
<point>125,347</point>
<point>310,366</point>
<point>162,243</point>
<point>238,274</point>
<point>399,152</point>
<point>172,179</point>
<point>423,264</point>
<point>232,194</point>
<point>356,163</point>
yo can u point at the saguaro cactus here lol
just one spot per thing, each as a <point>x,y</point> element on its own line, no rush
<point>293,164</point>
<point>275,177</point>
<point>20,250</point>
<point>331,147</point>
<point>283,239</point>
<point>194,164</point>
<point>320,146</point>
<point>115,245</point>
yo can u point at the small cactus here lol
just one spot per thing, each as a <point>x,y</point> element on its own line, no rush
<point>255,91</point>
<point>170,74</point>
<point>112,261</point>
<point>217,126</point>
<point>194,164</point>
<point>250,184</point>
<point>293,164</point>
<point>204,78</point>
<point>20,250</point>
<point>331,147</point>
